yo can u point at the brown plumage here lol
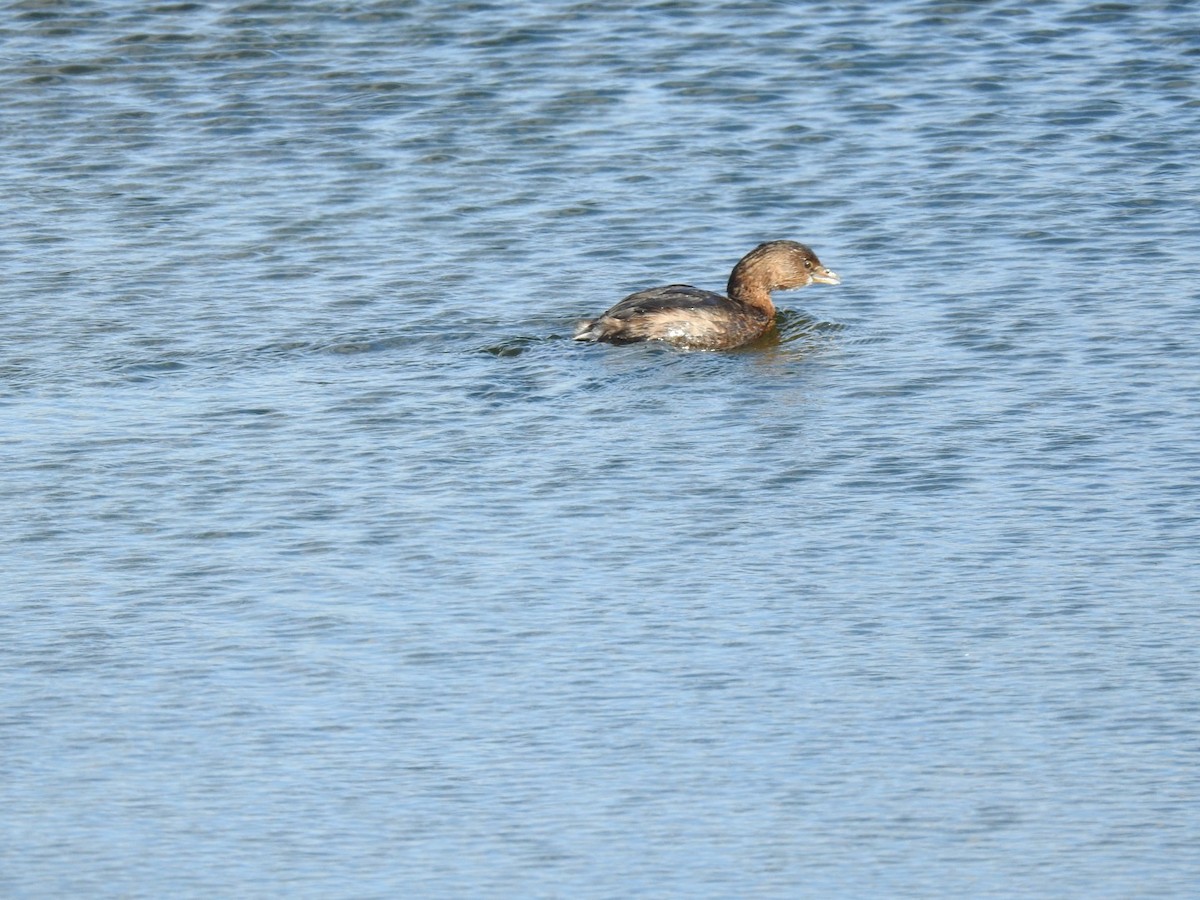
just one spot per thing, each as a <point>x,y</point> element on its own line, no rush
<point>693,319</point>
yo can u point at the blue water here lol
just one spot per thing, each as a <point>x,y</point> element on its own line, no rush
<point>334,568</point>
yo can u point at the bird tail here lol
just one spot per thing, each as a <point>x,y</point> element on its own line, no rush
<point>590,330</point>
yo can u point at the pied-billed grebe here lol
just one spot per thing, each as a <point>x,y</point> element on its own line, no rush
<point>693,319</point>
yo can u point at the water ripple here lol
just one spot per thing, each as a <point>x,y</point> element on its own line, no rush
<point>334,566</point>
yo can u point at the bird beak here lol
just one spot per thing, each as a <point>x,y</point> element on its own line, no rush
<point>822,275</point>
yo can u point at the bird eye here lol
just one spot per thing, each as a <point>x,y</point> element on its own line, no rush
<point>808,264</point>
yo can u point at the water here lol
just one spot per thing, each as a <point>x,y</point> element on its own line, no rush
<point>333,568</point>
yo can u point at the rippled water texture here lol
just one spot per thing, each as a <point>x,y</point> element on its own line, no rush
<point>334,568</point>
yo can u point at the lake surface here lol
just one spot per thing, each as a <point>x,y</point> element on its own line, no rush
<point>334,568</point>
